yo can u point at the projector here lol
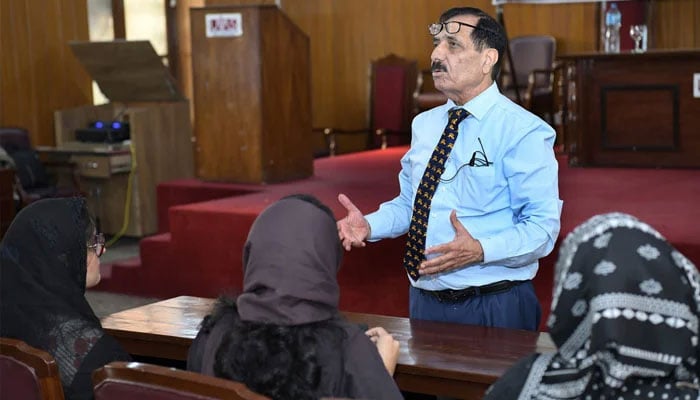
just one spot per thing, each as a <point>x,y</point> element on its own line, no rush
<point>103,132</point>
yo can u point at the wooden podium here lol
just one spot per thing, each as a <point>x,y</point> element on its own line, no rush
<point>252,101</point>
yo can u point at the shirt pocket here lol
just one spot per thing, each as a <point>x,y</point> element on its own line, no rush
<point>474,187</point>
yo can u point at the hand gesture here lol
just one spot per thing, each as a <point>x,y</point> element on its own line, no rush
<point>387,346</point>
<point>463,250</point>
<point>354,228</point>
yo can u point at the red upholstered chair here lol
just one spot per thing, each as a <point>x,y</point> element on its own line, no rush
<point>427,96</point>
<point>121,380</point>
<point>27,373</point>
<point>393,82</point>
<point>33,182</point>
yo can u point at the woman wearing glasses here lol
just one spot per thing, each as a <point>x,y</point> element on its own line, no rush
<point>49,255</point>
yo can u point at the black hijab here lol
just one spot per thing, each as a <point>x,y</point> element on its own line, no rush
<point>43,263</point>
<point>290,262</point>
<point>624,318</point>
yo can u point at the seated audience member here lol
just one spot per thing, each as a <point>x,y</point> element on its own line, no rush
<point>48,256</point>
<point>624,320</point>
<point>5,160</point>
<point>283,336</point>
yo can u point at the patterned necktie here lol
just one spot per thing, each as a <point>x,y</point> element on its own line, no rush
<point>415,245</point>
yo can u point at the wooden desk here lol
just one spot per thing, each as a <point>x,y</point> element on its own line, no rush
<point>103,171</point>
<point>633,109</point>
<point>443,359</point>
<point>93,160</point>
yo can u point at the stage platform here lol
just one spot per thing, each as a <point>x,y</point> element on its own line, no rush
<point>204,226</point>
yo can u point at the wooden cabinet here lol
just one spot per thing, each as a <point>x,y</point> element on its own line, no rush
<point>121,178</point>
<point>633,109</point>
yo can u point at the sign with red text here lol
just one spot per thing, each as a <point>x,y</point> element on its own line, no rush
<point>224,25</point>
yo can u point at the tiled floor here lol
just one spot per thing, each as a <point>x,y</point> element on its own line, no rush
<point>104,303</point>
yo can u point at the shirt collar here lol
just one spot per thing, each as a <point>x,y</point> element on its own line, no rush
<point>479,105</point>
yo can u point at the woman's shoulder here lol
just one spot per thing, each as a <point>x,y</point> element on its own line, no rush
<point>214,327</point>
<point>224,308</point>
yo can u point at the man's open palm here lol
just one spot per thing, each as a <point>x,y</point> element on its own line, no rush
<point>354,228</point>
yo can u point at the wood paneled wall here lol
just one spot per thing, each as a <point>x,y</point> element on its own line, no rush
<point>38,72</point>
<point>675,24</point>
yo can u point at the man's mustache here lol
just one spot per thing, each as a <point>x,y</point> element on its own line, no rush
<point>437,66</point>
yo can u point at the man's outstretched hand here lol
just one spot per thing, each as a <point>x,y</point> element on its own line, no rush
<point>463,250</point>
<point>354,228</point>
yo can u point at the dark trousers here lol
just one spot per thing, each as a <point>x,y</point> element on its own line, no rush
<point>516,308</point>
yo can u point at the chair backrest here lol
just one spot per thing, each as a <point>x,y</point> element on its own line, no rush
<point>530,53</point>
<point>31,173</point>
<point>28,373</point>
<point>130,380</point>
<point>393,84</point>
<point>13,139</point>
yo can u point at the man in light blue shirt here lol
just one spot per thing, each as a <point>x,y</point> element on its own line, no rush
<point>496,208</point>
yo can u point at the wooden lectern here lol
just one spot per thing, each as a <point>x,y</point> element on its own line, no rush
<point>252,101</point>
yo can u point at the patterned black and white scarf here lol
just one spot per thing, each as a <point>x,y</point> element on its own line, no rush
<point>624,317</point>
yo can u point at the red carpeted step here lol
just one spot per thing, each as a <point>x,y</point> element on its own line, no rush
<point>113,275</point>
<point>125,277</point>
<point>187,191</point>
<point>158,270</point>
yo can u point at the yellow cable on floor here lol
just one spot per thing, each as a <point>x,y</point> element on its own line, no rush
<point>127,201</point>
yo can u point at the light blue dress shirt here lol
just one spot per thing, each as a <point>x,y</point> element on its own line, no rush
<point>511,206</point>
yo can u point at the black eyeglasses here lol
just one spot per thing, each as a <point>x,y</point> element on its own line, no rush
<point>453,27</point>
<point>476,161</point>
<point>99,244</point>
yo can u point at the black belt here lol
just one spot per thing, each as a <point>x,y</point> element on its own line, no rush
<point>456,296</point>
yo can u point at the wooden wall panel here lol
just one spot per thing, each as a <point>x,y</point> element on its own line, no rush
<point>676,24</point>
<point>184,68</point>
<point>573,25</point>
<point>39,73</point>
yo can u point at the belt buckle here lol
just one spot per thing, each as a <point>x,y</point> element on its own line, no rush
<point>456,296</point>
<point>453,295</point>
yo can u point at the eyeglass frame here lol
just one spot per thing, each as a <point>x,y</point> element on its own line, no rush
<point>443,25</point>
<point>479,162</point>
<point>99,244</point>
<point>473,162</point>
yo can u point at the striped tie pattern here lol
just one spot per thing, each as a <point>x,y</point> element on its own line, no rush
<point>415,245</point>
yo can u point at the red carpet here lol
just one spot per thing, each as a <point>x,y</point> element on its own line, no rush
<point>201,253</point>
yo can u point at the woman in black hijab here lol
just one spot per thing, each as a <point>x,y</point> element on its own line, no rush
<point>284,337</point>
<point>624,320</point>
<point>47,258</point>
